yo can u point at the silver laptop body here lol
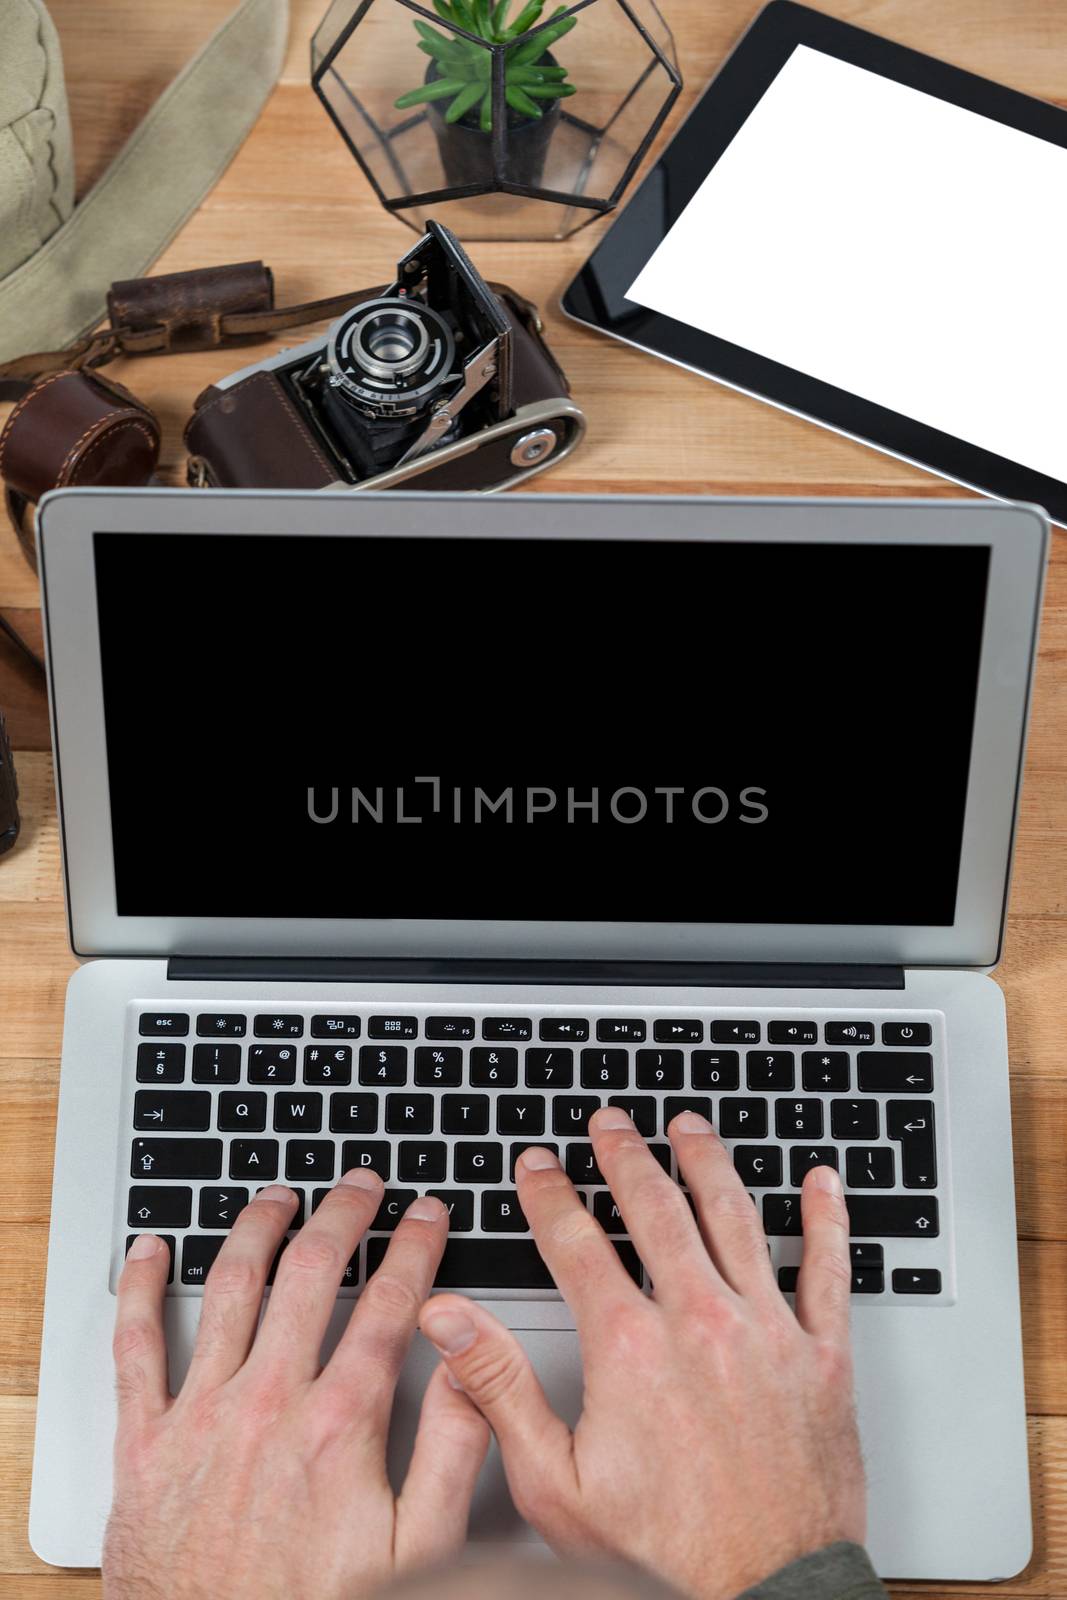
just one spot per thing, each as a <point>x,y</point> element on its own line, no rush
<point>668,637</point>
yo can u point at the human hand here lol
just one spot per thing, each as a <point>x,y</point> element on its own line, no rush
<point>266,1476</point>
<point>717,1440</point>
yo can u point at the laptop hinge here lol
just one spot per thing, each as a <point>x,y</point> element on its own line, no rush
<point>655,974</point>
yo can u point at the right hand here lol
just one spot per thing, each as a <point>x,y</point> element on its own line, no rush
<point>717,1441</point>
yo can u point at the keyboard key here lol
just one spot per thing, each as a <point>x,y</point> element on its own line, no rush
<point>151,1209</point>
<point>216,1063</point>
<point>500,1264</point>
<point>742,1119</point>
<point>328,1064</point>
<point>907,1033</point>
<point>881,1072</point>
<point>549,1069</point>
<point>868,1283</point>
<point>678,1030</point>
<point>660,1069</point>
<point>581,1164</point>
<point>507,1028</point>
<point>661,1152</point>
<point>715,1069</point>
<point>519,1114</point>
<point>221,1025</point>
<point>176,1158</point>
<point>494,1068</point>
<point>781,1215</point>
<point>309,1160</point>
<point>854,1119</point>
<point>160,1063</point>
<point>168,1240</point>
<point>350,1276</point>
<point>674,1105</point>
<point>172,1110</point>
<point>893,1216</point>
<point>409,1113</point>
<point>866,1257</point>
<point>297,1113</point>
<point>372,1153</point>
<point>460,1203</point>
<point>916,1280</point>
<point>788,1277</point>
<point>478,1163</point>
<point>792,1033</point>
<point>759,1166</point>
<point>242,1111</point>
<point>298,1215</point>
<point>501,1212</point>
<point>571,1113</point>
<point>912,1122</point>
<point>198,1256</point>
<point>798,1119</point>
<point>386,1063</point>
<point>620,1030</point>
<point>826,1071</point>
<point>393,1028</point>
<point>605,1069</point>
<point>849,1033</point>
<point>731,1032</point>
<point>394,1203</point>
<point>439,1066</point>
<point>253,1158</point>
<point>278,1025</point>
<point>641,1108</point>
<point>271,1063</point>
<point>805,1156</point>
<point>335,1027</point>
<point>446,1028</point>
<point>353,1113</point>
<point>565,1030</point>
<point>219,1208</point>
<point>870,1168</point>
<point>465,1113</point>
<point>530,1144</point>
<point>425,1161</point>
<point>607,1213</point>
<point>770,1069</point>
<point>163,1024</point>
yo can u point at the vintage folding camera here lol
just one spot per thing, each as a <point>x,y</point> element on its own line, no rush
<point>437,382</point>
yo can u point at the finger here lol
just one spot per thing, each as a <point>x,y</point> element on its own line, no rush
<point>450,1446</point>
<point>310,1272</point>
<point>825,1281</point>
<point>367,1361</point>
<point>494,1371</point>
<point>139,1344</point>
<point>729,1222</point>
<point>652,1206</point>
<point>575,1248</point>
<point>233,1290</point>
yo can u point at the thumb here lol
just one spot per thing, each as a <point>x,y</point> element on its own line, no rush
<point>489,1364</point>
<point>433,1508</point>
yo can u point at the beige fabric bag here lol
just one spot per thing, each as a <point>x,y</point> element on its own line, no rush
<point>57,259</point>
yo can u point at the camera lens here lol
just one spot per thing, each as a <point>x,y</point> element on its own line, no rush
<point>390,357</point>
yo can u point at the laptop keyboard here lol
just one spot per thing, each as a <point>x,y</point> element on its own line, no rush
<point>219,1104</point>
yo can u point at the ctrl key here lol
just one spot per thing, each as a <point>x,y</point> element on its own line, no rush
<point>198,1256</point>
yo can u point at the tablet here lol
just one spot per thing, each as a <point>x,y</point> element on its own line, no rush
<point>865,236</point>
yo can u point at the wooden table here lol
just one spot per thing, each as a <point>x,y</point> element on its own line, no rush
<point>293,197</point>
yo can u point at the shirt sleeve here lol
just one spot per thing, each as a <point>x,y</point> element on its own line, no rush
<point>839,1572</point>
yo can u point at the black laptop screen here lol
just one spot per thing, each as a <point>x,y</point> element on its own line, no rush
<point>651,731</point>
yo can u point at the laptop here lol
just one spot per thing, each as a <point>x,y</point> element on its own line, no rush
<point>404,830</point>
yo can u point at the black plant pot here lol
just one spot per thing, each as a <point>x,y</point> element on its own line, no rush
<point>467,151</point>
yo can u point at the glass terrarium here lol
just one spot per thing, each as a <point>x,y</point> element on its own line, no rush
<point>506,120</point>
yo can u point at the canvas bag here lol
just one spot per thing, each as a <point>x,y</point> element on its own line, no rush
<point>57,259</point>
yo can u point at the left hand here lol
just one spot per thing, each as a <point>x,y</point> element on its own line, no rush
<point>265,1478</point>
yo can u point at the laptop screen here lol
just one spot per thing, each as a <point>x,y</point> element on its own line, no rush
<point>654,731</point>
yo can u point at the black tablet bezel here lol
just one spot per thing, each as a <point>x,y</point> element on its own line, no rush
<point>683,166</point>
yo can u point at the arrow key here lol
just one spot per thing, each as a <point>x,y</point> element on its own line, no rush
<point>916,1280</point>
<point>152,1208</point>
<point>219,1207</point>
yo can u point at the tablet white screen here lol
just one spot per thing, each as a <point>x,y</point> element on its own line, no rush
<point>889,243</point>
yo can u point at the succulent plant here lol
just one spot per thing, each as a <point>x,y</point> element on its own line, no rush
<point>463,69</point>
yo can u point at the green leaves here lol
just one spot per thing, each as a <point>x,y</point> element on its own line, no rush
<point>462,68</point>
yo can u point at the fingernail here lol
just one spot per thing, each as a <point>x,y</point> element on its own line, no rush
<point>691,1122</point>
<point>453,1381</point>
<point>828,1179</point>
<point>277,1191</point>
<point>361,1178</point>
<point>538,1159</point>
<point>451,1332</point>
<point>612,1117</point>
<point>145,1245</point>
<point>426,1209</point>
